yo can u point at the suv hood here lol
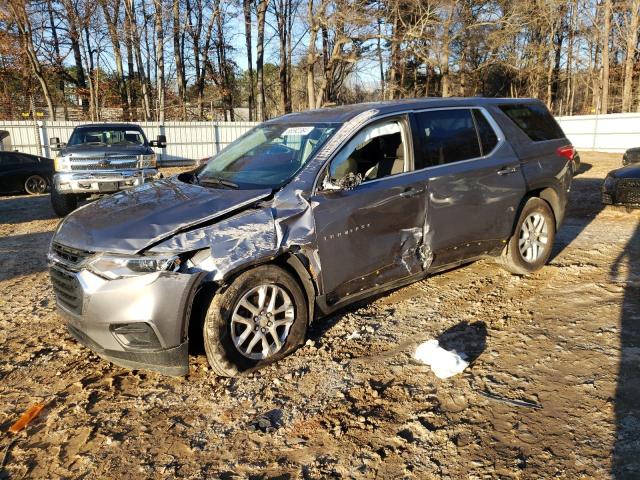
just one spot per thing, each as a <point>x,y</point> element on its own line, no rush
<point>133,220</point>
<point>631,171</point>
<point>85,150</point>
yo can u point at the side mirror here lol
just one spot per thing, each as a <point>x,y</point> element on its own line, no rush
<point>348,182</point>
<point>54,143</point>
<point>160,141</point>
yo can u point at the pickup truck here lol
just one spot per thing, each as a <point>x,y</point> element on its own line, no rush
<point>101,159</point>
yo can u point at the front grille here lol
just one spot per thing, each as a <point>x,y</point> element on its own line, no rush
<point>72,257</point>
<point>104,163</point>
<point>67,289</point>
<point>628,191</point>
<point>110,166</point>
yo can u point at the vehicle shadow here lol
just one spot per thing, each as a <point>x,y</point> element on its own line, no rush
<point>584,167</point>
<point>23,254</point>
<point>25,208</point>
<point>625,271</point>
<point>467,338</point>
<point>585,203</point>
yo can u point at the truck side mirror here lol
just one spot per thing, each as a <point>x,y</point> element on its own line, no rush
<point>160,141</point>
<point>54,143</point>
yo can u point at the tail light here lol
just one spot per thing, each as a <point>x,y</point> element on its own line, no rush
<point>567,152</point>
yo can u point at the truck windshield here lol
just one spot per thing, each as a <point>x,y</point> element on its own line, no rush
<point>106,136</point>
<point>267,156</point>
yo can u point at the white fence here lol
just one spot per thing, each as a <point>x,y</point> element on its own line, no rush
<point>615,132</point>
<point>190,141</point>
<point>186,141</point>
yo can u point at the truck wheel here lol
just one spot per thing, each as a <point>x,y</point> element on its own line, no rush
<point>529,248</point>
<point>35,185</point>
<point>63,204</point>
<point>258,319</point>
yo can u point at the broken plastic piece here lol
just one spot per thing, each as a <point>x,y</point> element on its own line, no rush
<point>443,363</point>
<point>26,418</point>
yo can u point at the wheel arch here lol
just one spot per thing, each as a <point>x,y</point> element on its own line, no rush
<point>293,263</point>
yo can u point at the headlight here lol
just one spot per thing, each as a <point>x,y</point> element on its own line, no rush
<point>114,266</point>
<point>148,161</point>
<point>609,183</point>
<point>61,164</point>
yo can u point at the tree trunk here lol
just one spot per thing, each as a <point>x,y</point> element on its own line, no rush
<point>160,85</point>
<point>261,14</point>
<point>23,23</point>
<point>311,55</point>
<point>632,42</point>
<point>142,76</point>
<point>246,7</point>
<point>606,33</point>
<point>114,37</point>
<point>177,56</point>
<point>59,66</point>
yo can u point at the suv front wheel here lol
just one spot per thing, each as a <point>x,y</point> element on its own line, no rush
<point>529,248</point>
<point>258,319</point>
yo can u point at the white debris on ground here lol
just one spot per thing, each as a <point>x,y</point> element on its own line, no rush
<point>443,363</point>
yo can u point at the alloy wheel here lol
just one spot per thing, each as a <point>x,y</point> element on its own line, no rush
<point>261,321</point>
<point>533,238</point>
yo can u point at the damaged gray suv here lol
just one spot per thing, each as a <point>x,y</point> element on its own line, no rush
<point>303,215</point>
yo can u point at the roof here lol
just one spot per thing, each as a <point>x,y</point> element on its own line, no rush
<point>346,112</point>
<point>109,125</point>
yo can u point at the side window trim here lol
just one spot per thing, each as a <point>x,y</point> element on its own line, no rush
<point>494,125</point>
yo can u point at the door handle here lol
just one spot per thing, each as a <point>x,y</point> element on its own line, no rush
<point>508,170</point>
<point>411,192</point>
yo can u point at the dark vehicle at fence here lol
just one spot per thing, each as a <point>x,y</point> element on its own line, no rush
<point>101,159</point>
<point>622,187</point>
<point>303,215</point>
<point>631,156</point>
<point>22,172</point>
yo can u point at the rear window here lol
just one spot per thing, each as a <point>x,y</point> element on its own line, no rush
<point>534,120</point>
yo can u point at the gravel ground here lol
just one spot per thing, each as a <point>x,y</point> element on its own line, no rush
<point>564,343</point>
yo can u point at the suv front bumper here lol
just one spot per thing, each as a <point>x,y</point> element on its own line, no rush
<point>104,181</point>
<point>136,322</point>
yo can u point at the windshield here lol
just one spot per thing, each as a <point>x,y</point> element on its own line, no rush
<point>107,136</point>
<point>267,156</point>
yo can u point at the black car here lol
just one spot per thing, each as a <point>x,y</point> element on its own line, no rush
<point>631,156</point>
<point>22,172</point>
<point>303,215</point>
<point>622,187</point>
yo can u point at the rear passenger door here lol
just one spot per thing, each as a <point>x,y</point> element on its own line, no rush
<point>474,182</point>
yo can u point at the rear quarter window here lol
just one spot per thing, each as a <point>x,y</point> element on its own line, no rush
<point>534,120</point>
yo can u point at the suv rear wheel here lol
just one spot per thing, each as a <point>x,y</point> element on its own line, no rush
<point>63,204</point>
<point>529,248</point>
<point>258,319</point>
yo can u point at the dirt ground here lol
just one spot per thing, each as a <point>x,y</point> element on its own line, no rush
<point>563,343</point>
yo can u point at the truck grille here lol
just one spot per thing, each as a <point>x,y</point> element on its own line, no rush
<point>67,289</point>
<point>71,257</point>
<point>104,163</point>
<point>628,191</point>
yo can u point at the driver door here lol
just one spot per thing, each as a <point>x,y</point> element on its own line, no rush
<point>370,230</point>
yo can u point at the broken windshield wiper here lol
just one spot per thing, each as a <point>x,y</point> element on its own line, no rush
<point>217,181</point>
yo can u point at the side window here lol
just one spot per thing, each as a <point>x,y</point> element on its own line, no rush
<point>377,151</point>
<point>446,136</point>
<point>534,120</point>
<point>488,138</point>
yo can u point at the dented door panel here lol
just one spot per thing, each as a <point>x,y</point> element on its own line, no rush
<point>370,235</point>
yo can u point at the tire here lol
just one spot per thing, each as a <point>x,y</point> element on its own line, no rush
<point>36,185</point>
<point>63,204</point>
<point>222,330</point>
<point>533,255</point>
